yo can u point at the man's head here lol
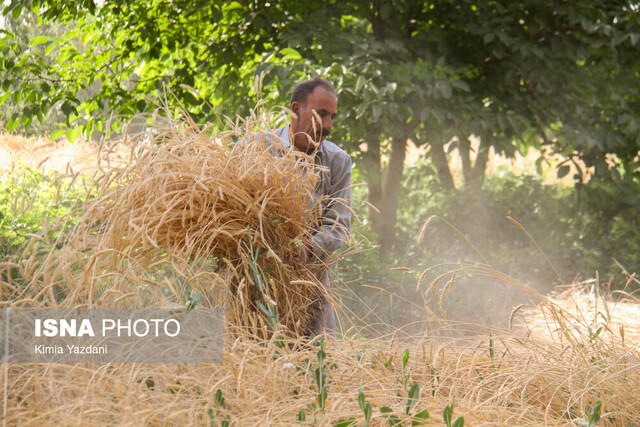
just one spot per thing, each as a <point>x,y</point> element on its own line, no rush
<point>315,104</point>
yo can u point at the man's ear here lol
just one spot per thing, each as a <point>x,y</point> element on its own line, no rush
<point>295,107</point>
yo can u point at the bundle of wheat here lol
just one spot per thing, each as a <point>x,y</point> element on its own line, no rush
<point>228,203</point>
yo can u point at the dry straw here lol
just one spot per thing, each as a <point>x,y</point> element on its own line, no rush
<point>498,379</point>
<point>224,213</point>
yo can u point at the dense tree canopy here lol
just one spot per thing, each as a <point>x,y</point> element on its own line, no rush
<point>515,74</point>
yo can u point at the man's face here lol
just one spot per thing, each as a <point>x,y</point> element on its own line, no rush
<point>315,119</point>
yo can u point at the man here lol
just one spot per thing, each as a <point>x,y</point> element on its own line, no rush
<point>315,105</point>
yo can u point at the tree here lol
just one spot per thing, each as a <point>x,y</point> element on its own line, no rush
<point>438,72</point>
<point>26,29</point>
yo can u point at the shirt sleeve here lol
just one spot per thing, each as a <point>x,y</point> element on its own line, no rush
<point>335,218</point>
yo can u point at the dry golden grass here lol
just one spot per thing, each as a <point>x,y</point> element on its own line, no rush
<point>507,378</point>
<point>175,217</point>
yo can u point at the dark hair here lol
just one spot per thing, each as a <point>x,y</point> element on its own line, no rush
<point>302,91</point>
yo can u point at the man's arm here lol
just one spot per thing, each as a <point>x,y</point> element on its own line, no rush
<point>336,216</point>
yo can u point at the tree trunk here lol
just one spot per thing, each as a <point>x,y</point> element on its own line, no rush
<point>385,193</point>
<point>372,170</point>
<point>464,148</point>
<point>439,158</point>
<point>482,159</point>
<point>391,193</point>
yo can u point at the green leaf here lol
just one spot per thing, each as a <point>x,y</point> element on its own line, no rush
<point>11,7</point>
<point>347,422</point>
<point>302,416</point>
<point>360,82</point>
<point>361,399</point>
<point>447,414</point>
<point>234,5</point>
<point>12,125</point>
<point>262,307</point>
<point>72,135</point>
<point>322,398</point>
<point>4,97</point>
<point>388,363</point>
<point>386,410</point>
<point>150,383</point>
<point>211,417</point>
<point>86,36</point>
<point>361,109</point>
<point>377,111</point>
<point>67,108</point>
<point>420,418</point>
<point>219,398</point>
<point>290,54</point>
<point>405,359</point>
<point>444,87</point>
<point>9,34</point>
<point>414,394</point>
<point>374,89</point>
<point>460,85</point>
<point>26,121</point>
<point>16,12</point>
<point>39,40</point>
<point>394,421</point>
<point>563,171</point>
<point>459,422</point>
<point>594,414</point>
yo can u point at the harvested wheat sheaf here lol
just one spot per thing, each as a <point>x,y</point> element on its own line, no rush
<point>225,213</point>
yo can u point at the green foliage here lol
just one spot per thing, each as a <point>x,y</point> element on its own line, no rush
<point>215,413</point>
<point>130,52</point>
<point>593,417</point>
<point>347,422</point>
<point>447,415</point>
<point>515,74</point>
<point>191,299</point>
<point>405,374</point>
<point>322,391</point>
<point>411,396</point>
<point>594,414</point>
<point>387,413</point>
<point>262,283</point>
<point>28,199</point>
<point>321,377</point>
<point>26,34</point>
<point>365,407</point>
